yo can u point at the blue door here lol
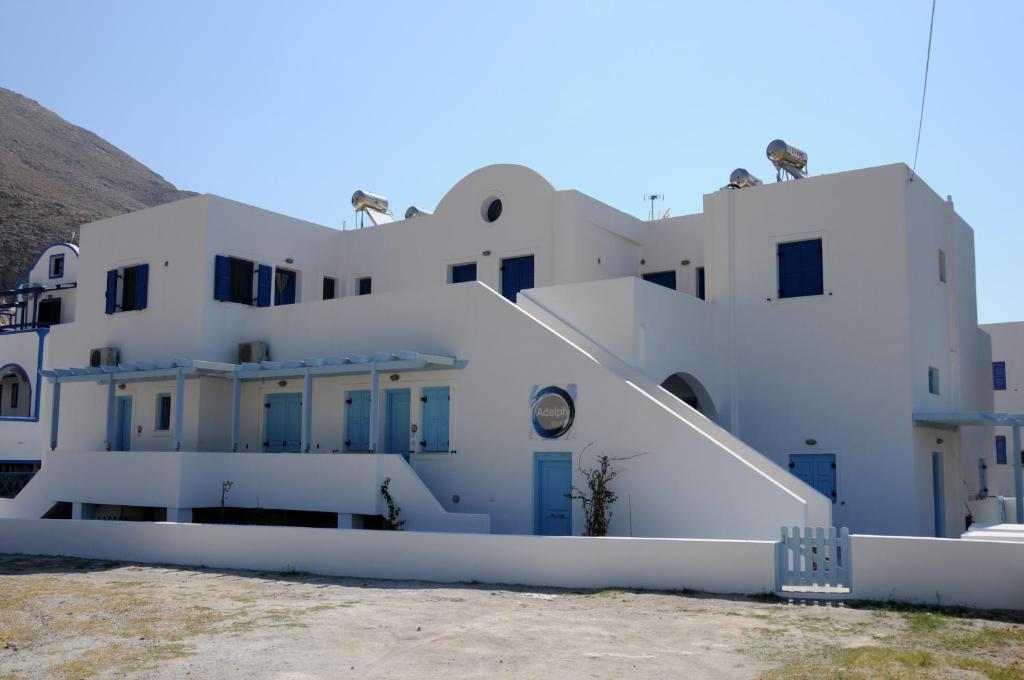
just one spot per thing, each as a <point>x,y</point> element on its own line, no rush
<point>461,273</point>
<point>284,423</point>
<point>516,275</point>
<point>816,469</point>
<point>434,419</point>
<point>123,431</point>
<point>396,429</point>
<point>552,488</point>
<point>357,420</point>
<point>938,495</point>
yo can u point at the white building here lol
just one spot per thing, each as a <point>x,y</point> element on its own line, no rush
<point>815,340</point>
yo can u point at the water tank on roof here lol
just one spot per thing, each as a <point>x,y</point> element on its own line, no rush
<point>740,179</point>
<point>364,200</point>
<point>415,211</point>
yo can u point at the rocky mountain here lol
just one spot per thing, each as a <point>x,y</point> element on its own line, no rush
<point>55,176</point>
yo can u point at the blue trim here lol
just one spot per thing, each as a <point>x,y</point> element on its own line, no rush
<point>42,332</point>
<point>15,461</point>
<point>71,246</point>
<point>53,258</point>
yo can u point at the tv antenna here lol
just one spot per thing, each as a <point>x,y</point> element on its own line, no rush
<point>652,198</point>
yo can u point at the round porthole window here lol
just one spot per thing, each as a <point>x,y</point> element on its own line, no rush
<point>492,209</point>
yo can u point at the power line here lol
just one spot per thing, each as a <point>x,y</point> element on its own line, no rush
<point>927,63</point>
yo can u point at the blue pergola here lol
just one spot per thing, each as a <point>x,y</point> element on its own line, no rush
<point>181,370</point>
<point>954,421</point>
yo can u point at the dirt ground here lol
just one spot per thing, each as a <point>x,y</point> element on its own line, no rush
<point>68,619</point>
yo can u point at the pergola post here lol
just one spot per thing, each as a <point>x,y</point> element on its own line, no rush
<point>307,410</point>
<point>55,415</point>
<point>179,407</point>
<point>236,401</point>
<point>374,406</point>
<point>1018,477</point>
<point>110,412</point>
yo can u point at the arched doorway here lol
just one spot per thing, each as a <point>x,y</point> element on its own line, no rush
<point>691,392</point>
<point>15,392</point>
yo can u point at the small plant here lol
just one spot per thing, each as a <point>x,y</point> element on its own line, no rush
<point>225,489</point>
<point>391,521</point>
<point>598,498</point>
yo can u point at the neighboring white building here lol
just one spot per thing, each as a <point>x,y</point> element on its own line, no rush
<point>807,334</point>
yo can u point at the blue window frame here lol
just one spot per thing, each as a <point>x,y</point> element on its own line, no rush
<point>285,282</point>
<point>56,266</point>
<point>818,470</point>
<point>364,285</point>
<point>999,375</point>
<point>666,279</point>
<point>700,283</point>
<point>232,281</point>
<point>800,268</point>
<point>462,273</point>
<point>1000,449</point>
<point>434,419</point>
<point>163,412</point>
<point>516,275</point>
<point>933,380</point>
<point>15,388</point>
<point>127,289</point>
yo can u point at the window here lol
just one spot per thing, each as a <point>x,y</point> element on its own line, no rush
<point>233,281</point>
<point>56,266</point>
<point>163,412</point>
<point>492,209</point>
<point>461,273</point>
<point>700,283</point>
<point>330,288</point>
<point>933,380</point>
<point>942,265</point>
<point>49,312</point>
<point>999,375</point>
<point>284,287</point>
<point>666,279</point>
<point>1000,449</point>
<point>364,285</point>
<point>15,387</point>
<point>127,289</point>
<point>800,269</point>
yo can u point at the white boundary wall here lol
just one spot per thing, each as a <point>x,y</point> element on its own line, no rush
<point>560,561</point>
<point>938,571</point>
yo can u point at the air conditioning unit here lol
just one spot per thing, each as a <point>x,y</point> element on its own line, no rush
<point>103,356</point>
<point>253,352</point>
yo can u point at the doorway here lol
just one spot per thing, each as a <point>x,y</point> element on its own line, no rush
<point>552,490</point>
<point>123,425</point>
<point>284,423</point>
<point>397,423</point>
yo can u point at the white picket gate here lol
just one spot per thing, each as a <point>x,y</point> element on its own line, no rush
<point>813,562</point>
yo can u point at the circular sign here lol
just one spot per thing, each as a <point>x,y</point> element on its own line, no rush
<point>553,412</point>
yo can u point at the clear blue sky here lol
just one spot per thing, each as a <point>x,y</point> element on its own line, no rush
<point>293,105</point>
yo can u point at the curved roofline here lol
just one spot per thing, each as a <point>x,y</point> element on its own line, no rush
<point>491,168</point>
<point>28,274</point>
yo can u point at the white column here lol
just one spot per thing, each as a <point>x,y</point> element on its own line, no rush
<point>111,403</point>
<point>307,411</point>
<point>374,406</point>
<point>1018,477</point>
<point>236,402</point>
<point>179,407</point>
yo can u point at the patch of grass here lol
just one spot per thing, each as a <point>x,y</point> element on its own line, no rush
<point>1014,671</point>
<point>118,658</point>
<point>889,663</point>
<point>925,623</point>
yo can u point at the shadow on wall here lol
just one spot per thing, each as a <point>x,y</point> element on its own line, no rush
<point>691,392</point>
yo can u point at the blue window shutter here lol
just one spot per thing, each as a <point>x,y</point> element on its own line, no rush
<point>111,291</point>
<point>790,270</point>
<point>1000,449</point>
<point>435,418</point>
<point>263,285</point>
<point>222,278</point>
<point>999,375</point>
<point>141,286</point>
<point>813,274</point>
